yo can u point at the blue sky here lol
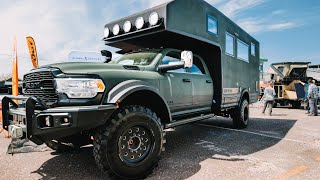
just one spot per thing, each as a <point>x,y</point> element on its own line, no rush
<point>286,29</point>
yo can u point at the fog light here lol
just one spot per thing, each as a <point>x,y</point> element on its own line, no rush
<point>139,23</point>
<point>66,120</point>
<point>48,121</point>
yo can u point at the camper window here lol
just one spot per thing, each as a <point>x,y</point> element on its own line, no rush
<point>253,49</point>
<point>243,51</point>
<point>229,44</point>
<point>212,25</point>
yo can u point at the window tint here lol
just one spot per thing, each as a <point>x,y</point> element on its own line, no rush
<point>243,51</point>
<point>229,44</point>
<point>173,57</point>
<point>253,49</point>
<point>212,25</point>
<point>143,58</point>
<point>197,67</point>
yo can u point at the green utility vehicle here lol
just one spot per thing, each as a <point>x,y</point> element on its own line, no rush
<point>183,61</point>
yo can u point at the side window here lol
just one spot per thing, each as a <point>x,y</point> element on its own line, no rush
<point>173,57</point>
<point>212,25</point>
<point>253,49</point>
<point>229,44</point>
<point>243,51</point>
<point>197,67</point>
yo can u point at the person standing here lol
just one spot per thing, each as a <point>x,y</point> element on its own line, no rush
<point>313,96</point>
<point>306,89</point>
<point>268,97</point>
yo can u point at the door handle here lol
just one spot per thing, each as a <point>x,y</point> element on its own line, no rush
<point>208,81</point>
<point>186,80</point>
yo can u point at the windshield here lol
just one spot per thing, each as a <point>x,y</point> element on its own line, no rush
<point>144,58</point>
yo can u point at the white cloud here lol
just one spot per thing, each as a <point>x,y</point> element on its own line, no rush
<point>282,26</point>
<point>232,7</point>
<point>256,25</point>
<point>57,27</point>
<point>278,12</point>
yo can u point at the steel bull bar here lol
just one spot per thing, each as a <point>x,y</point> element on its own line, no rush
<point>39,123</point>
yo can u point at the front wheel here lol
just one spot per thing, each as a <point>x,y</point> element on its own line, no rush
<point>240,115</point>
<point>130,144</point>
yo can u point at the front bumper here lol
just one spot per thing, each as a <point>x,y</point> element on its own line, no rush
<point>40,123</point>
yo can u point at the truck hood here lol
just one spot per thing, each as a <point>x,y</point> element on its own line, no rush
<point>89,68</point>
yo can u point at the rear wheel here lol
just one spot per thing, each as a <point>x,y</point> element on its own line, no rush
<point>130,144</point>
<point>296,105</point>
<point>240,115</point>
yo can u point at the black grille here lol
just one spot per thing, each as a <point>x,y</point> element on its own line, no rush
<point>40,85</point>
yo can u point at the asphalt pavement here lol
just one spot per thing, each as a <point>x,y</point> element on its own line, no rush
<point>283,146</point>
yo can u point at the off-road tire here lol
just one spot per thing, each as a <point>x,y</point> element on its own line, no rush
<point>109,143</point>
<point>240,115</point>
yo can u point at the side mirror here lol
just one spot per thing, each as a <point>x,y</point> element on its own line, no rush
<point>187,58</point>
<point>171,66</point>
<point>107,54</point>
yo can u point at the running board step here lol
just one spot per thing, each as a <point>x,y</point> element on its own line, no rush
<point>190,120</point>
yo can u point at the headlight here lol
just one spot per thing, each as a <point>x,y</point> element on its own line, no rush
<point>153,18</point>
<point>139,23</point>
<point>106,32</point>
<point>127,26</point>
<point>116,29</point>
<point>79,88</point>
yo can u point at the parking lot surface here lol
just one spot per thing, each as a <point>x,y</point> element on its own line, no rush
<point>283,146</point>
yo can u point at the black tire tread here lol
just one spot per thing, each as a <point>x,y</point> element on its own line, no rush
<point>110,127</point>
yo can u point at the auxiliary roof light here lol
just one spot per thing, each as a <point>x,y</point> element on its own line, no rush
<point>127,26</point>
<point>139,23</point>
<point>106,32</point>
<point>116,29</point>
<point>153,18</point>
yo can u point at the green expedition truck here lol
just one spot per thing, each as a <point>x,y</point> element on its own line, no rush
<point>183,61</point>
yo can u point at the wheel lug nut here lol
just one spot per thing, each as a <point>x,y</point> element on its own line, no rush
<point>143,133</point>
<point>140,155</point>
<point>132,157</point>
<point>146,140</point>
<point>137,129</point>
<point>124,137</point>
<point>126,154</point>
<point>130,131</point>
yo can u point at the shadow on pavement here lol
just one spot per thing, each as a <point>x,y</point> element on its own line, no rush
<point>187,146</point>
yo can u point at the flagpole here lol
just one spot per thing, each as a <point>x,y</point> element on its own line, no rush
<point>15,83</point>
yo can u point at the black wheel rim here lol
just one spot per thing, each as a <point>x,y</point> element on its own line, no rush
<point>135,144</point>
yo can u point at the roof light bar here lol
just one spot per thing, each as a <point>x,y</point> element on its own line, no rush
<point>154,18</point>
<point>127,26</point>
<point>139,23</point>
<point>116,29</point>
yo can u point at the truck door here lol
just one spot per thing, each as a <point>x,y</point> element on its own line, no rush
<point>176,87</point>
<point>202,85</point>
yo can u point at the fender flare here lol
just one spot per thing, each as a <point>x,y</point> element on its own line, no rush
<point>242,93</point>
<point>126,88</point>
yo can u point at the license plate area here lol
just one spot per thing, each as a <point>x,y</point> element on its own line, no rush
<point>18,116</point>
